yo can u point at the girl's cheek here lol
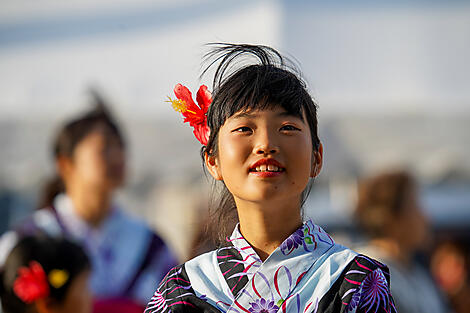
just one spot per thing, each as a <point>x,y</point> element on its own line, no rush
<point>233,147</point>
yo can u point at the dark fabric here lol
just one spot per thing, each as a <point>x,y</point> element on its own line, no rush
<point>175,294</point>
<point>228,259</point>
<point>362,286</point>
<point>336,300</point>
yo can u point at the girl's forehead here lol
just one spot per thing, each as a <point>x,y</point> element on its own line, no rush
<point>271,112</point>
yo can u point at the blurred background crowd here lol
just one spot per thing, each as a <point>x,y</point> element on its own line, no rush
<point>391,80</point>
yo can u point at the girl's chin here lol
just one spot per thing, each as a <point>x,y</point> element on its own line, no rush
<point>270,194</point>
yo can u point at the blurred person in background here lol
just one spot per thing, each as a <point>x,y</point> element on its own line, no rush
<point>388,211</point>
<point>450,268</point>
<point>127,257</point>
<point>45,275</point>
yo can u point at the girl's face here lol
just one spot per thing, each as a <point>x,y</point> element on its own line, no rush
<point>98,161</point>
<point>265,156</point>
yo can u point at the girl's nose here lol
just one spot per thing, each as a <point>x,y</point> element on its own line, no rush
<point>266,145</point>
<point>266,151</point>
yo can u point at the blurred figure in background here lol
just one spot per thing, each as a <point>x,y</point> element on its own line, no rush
<point>127,258</point>
<point>450,268</point>
<point>389,212</point>
<point>45,275</point>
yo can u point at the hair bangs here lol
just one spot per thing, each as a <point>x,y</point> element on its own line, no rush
<point>256,88</point>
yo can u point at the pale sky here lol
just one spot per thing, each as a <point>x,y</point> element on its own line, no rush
<point>366,59</point>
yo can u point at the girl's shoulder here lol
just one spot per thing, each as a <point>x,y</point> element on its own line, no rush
<point>179,290</point>
<point>199,270</point>
<point>367,264</point>
<point>363,284</point>
<point>362,262</point>
<point>176,294</point>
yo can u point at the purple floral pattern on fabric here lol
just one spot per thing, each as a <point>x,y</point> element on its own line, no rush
<point>263,306</point>
<point>375,292</point>
<point>308,236</point>
<point>361,286</point>
<point>352,306</point>
<point>293,241</point>
<point>369,290</point>
<point>278,283</point>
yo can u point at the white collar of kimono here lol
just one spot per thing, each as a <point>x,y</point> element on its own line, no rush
<point>307,238</point>
<point>284,267</point>
<point>75,225</point>
<point>291,268</point>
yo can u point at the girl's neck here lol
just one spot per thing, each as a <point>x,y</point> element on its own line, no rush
<point>266,225</point>
<point>92,206</point>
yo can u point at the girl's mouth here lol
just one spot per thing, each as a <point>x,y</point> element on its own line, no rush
<point>267,167</point>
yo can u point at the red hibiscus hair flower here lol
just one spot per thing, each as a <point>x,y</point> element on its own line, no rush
<point>194,114</point>
<point>31,283</point>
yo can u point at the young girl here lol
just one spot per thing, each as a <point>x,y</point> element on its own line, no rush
<point>45,275</point>
<point>261,143</point>
<point>127,256</point>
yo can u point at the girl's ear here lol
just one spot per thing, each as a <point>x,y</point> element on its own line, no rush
<point>212,165</point>
<point>317,161</point>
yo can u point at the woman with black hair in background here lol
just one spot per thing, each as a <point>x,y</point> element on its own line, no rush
<point>126,256</point>
<point>45,275</point>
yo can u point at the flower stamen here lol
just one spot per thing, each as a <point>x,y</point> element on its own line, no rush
<point>178,105</point>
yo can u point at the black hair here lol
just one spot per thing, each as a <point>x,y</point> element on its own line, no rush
<point>273,81</point>
<point>51,254</point>
<point>71,134</point>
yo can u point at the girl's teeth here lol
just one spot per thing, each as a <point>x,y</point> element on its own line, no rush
<point>269,167</point>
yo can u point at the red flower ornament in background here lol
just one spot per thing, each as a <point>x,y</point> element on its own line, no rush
<point>31,283</point>
<point>195,115</point>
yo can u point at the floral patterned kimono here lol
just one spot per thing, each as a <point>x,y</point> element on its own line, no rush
<point>309,272</point>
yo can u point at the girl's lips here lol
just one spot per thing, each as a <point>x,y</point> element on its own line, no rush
<point>266,161</point>
<point>266,168</point>
<point>266,174</point>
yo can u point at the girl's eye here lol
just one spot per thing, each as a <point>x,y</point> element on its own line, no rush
<point>242,129</point>
<point>289,128</point>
